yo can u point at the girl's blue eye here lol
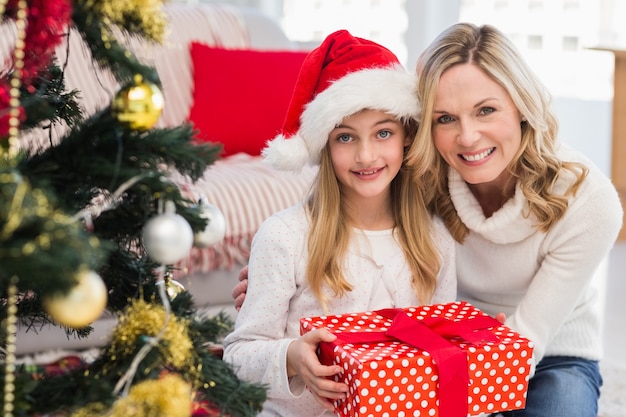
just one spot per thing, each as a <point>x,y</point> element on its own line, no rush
<point>384,134</point>
<point>487,110</point>
<point>345,138</point>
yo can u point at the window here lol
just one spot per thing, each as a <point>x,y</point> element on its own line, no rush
<point>571,5</point>
<point>570,43</point>
<point>535,42</point>
<point>554,36</point>
<point>535,5</point>
<point>501,4</point>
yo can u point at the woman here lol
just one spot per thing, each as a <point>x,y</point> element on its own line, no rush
<point>532,218</point>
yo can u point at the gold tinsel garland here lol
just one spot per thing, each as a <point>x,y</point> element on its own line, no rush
<point>148,13</point>
<point>143,320</point>
<point>169,396</point>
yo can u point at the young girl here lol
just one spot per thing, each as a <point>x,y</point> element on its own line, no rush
<point>362,240</point>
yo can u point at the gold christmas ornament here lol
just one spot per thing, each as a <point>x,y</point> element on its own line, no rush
<point>172,287</point>
<point>138,105</point>
<point>82,305</point>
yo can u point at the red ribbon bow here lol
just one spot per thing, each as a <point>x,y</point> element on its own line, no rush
<point>432,334</point>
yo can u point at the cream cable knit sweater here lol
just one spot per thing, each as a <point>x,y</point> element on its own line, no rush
<point>542,281</point>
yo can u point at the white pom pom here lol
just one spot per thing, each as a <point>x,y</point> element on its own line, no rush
<point>286,154</point>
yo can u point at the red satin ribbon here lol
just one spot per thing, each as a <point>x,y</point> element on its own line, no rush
<point>431,335</point>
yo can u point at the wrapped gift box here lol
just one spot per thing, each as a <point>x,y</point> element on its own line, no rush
<point>447,360</point>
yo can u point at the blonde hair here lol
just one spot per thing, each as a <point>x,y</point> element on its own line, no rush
<point>535,167</point>
<point>330,232</point>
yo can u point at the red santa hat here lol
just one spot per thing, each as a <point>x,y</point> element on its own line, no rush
<point>341,77</point>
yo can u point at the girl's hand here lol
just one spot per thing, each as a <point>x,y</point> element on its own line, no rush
<point>302,360</point>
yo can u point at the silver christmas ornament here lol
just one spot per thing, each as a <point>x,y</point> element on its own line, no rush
<point>167,237</point>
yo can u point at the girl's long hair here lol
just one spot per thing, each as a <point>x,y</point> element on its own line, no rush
<point>535,167</point>
<point>331,232</point>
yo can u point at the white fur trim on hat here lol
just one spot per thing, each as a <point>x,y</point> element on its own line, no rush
<point>392,90</point>
<point>289,154</point>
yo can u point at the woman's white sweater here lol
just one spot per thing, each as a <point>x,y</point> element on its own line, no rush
<point>542,281</point>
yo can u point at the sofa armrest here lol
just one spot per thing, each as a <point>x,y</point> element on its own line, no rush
<point>247,191</point>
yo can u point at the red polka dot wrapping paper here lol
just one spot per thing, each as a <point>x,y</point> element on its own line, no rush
<point>392,378</point>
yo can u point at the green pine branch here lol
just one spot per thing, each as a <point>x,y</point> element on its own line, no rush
<point>105,49</point>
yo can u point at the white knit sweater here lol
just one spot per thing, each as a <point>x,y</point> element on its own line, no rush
<point>542,281</point>
<point>278,296</point>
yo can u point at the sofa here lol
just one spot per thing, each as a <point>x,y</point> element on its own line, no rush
<point>208,47</point>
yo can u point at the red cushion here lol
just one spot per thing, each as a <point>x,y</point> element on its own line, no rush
<point>240,97</point>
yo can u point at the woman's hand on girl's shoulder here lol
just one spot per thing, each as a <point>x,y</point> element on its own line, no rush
<point>239,291</point>
<point>501,317</point>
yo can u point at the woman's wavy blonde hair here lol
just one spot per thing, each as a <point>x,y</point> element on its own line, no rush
<point>535,166</point>
<point>330,231</point>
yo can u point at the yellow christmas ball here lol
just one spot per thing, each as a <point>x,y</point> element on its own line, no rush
<point>138,105</point>
<point>83,305</point>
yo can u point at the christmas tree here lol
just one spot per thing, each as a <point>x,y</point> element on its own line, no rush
<point>84,221</point>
